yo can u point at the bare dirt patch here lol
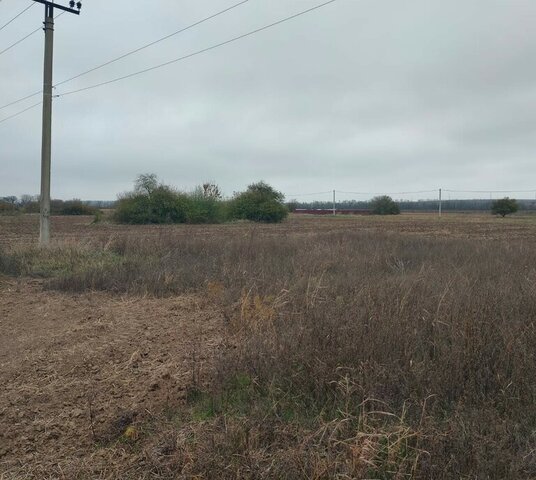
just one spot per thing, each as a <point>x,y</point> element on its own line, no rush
<point>77,370</point>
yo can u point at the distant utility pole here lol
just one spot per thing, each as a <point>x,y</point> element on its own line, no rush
<point>334,204</point>
<point>46,146</point>
<point>440,205</point>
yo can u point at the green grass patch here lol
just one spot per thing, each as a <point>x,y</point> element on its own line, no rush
<point>55,262</point>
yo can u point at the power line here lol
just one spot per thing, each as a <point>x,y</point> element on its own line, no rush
<point>16,16</point>
<point>21,99</point>
<point>388,193</point>
<point>308,194</point>
<point>14,45</point>
<point>19,41</point>
<point>20,113</point>
<point>132,52</point>
<point>28,96</point>
<point>490,191</point>
<point>410,193</point>
<point>199,52</point>
<point>98,67</point>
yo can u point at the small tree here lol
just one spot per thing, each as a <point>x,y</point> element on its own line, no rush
<point>259,203</point>
<point>211,190</point>
<point>384,205</point>
<point>504,206</point>
<point>146,183</point>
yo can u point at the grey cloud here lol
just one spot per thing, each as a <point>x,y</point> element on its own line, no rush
<point>361,95</point>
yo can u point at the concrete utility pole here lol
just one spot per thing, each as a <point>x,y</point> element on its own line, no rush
<point>440,205</point>
<point>334,204</point>
<point>46,145</point>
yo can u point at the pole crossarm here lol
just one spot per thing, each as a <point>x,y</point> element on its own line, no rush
<point>61,7</point>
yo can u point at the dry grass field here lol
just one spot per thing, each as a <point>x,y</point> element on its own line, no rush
<point>320,348</point>
<point>24,229</point>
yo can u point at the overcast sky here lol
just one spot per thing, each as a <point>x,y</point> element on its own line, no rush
<point>361,95</point>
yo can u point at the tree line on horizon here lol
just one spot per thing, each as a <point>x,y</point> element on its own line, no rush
<point>480,205</point>
<point>30,204</point>
<point>154,202</point>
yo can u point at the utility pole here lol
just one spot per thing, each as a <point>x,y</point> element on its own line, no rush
<point>46,145</point>
<point>440,205</point>
<point>334,205</point>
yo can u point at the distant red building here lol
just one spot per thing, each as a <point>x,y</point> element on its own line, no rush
<point>325,211</point>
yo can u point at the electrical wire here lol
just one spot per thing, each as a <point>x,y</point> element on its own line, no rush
<point>20,41</point>
<point>21,99</point>
<point>490,191</point>
<point>308,194</point>
<point>286,19</point>
<point>20,113</point>
<point>198,52</point>
<point>14,45</point>
<point>389,193</point>
<point>17,16</point>
<point>132,52</point>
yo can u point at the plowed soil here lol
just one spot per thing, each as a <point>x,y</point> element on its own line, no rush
<point>24,229</point>
<point>78,370</point>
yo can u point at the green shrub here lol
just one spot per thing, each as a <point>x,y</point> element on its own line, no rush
<point>169,206</point>
<point>259,203</point>
<point>384,205</point>
<point>504,206</point>
<point>204,209</point>
<point>159,204</point>
<point>151,202</point>
<point>132,208</point>
<point>97,218</point>
<point>162,205</point>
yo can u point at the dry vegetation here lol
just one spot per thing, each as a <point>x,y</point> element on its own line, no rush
<point>355,348</point>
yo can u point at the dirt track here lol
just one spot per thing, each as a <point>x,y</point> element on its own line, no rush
<point>60,354</point>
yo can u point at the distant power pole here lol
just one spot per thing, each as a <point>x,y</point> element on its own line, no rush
<point>46,146</point>
<point>334,204</point>
<point>440,203</point>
